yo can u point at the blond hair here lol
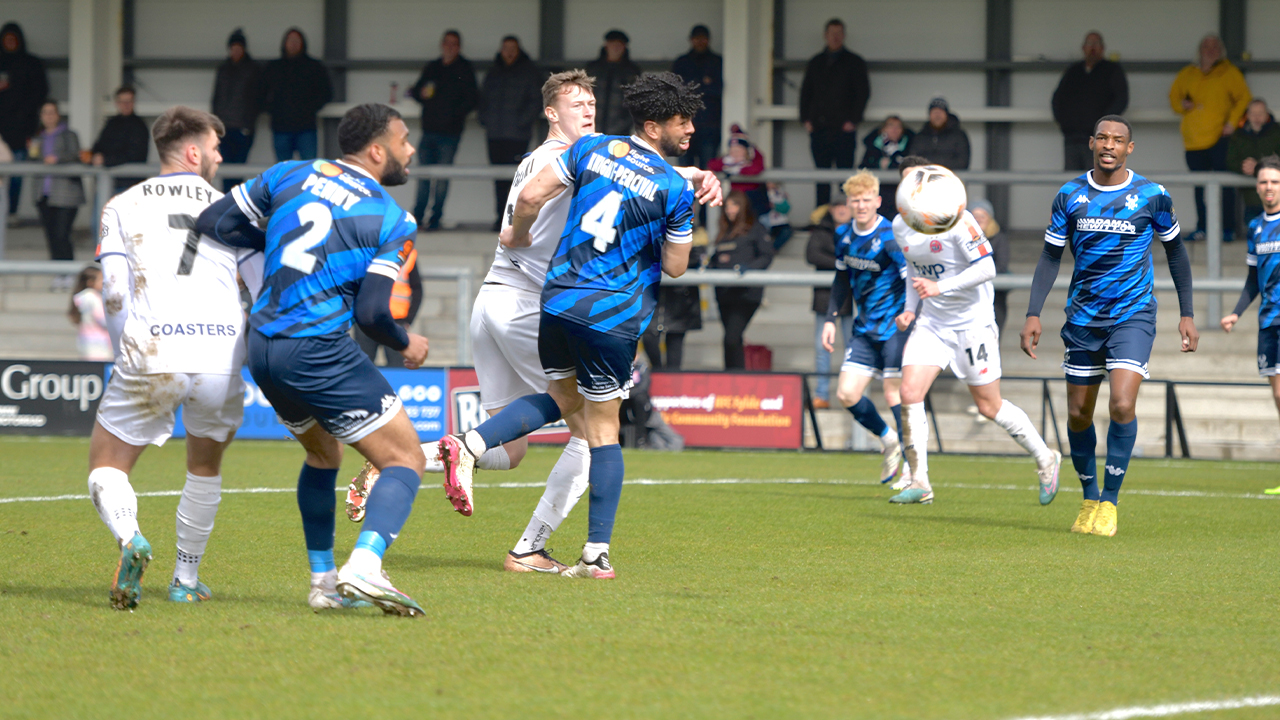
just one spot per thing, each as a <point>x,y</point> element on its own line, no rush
<point>861,183</point>
<point>562,81</point>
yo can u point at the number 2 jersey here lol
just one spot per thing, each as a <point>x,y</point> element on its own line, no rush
<point>526,268</point>
<point>945,255</point>
<point>877,275</point>
<point>627,201</point>
<point>329,223</point>
<point>182,302</point>
<point>1264,253</point>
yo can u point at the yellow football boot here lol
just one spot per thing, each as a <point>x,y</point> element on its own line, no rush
<point>1084,521</point>
<point>1104,523</point>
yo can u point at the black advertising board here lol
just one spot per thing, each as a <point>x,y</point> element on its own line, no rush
<point>44,397</point>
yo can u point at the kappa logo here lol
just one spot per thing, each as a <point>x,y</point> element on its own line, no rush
<point>1262,361</point>
<point>1131,202</point>
<point>355,414</point>
<point>388,402</point>
<point>1113,470</point>
<point>1080,199</point>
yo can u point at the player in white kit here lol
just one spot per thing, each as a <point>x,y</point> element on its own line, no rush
<point>949,282</point>
<point>173,309</point>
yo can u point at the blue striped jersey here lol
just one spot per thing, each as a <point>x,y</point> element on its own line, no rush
<point>627,201</point>
<point>328,224</point>
<point>1264,253</point>
<point>1110,229</point>
<point>877,275</point>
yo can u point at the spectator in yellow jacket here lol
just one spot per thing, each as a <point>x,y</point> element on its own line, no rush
<point>1211,97</point>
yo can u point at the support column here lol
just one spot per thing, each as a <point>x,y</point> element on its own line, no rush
<point>737,65</point>
<point>335,51</point>
<point>762,37</point>
<point>82,108</point>
<point>999,94</point>
<point>551,30</point>
<point>778,78</point>
<point>1231,26</point>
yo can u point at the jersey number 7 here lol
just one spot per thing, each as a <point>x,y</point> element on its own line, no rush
<point>602,219</point>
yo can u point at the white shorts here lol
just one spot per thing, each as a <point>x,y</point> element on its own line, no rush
<point>973,354</point>
<point>504,341</point>
<point>139,409</point>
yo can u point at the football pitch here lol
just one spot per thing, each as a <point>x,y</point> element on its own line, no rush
<point>750,585</point>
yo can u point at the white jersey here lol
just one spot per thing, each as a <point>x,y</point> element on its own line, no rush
<point>937,257</point>
<point>181,302</point>
<point>526,268</point>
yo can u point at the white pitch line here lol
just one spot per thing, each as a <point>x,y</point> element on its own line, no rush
<point>1154,711</point>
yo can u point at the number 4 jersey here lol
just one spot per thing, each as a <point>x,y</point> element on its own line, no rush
<point>182,301</point>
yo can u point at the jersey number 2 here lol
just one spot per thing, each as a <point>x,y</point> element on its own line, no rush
<point>295,253</point>
<point>601,220</point>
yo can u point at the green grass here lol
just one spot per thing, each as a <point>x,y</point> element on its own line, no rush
<point>746,600</point>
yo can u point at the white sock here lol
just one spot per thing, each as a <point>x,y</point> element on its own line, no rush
<point>196,511</point>
<point>365,562</point>
<point>432,451</point>
<point>591,551</point>
<point>566,485</point>
<point>915,442</point>
<point>494,459</point>
<point>327,580</point>
<point>474,443</point>
<point>1018,425</point>
<point>116,502</point>
<point>888,438</point>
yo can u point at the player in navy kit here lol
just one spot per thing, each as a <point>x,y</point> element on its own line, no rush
<point>629,221</point>
<point>870,265</point>
<point>1109,216</point>
<point>1264,277</point>
<point>335,243</point>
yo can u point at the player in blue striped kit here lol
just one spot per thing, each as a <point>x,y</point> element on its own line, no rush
<point>629,221</point>
<point>870,265</point>
<point>335,243</point>
<point>1264,277</point>
<point>1109,216</point>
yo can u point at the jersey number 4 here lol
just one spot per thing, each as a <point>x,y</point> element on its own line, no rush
<point>602,219</point>
<point>295,253</point>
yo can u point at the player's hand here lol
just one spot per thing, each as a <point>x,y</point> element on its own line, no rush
<point>50,159</point>
<point>416,353</point>
<point>1229,322</point>
<point>904,320</point>
<point>508,239</point>
<point>1190,336</point>
<point>707,188</point>
<point>1030,336</point>
<point>829,336</point>
<point>925,288</point>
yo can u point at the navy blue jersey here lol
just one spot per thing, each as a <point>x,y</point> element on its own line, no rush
<point>1110,231</point>
<point>627,201</point>
<point>329,224</point>
<point>877,275</point>
<point>1264,252</point>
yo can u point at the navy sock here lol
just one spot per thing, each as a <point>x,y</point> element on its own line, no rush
<point>1084,448</point>
<point>606,489</point>
<point>1120,439</point>
<point>388,508</point>
<point>519,419</point>
<point>897,417</point>
<point>316,502</point>
<point>864,411</point>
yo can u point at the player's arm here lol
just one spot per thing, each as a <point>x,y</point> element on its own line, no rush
<point>707,187</point>
<point>1055,240</point>
<point>678,242</point>
<point>232,220</point>
<point>542,189</point>
<point>112,257</point>
<point>840,290</point>
<point>978,272</point>
<point>1246,296</point>
<point>1165,225</point>
<point>910,300</point>
<point>373,314</point>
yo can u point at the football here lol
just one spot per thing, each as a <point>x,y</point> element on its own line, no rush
<point>931,199</point>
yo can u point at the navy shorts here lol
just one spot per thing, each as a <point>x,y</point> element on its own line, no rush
<point>1269,351</point>
<point>325,380</point>
<point>1094,351</point>
<point>600,361</point>
<point>864,355</point>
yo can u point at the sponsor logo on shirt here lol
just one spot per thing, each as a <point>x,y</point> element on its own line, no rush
<point>205,329</point>
<point>935,246</point>
<point>1266,248</point>
<point>326,168</point>
<point>929,271</point>
<point>1106,225</point>
<point>857,263</point>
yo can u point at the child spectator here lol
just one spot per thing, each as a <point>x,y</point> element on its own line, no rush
<point>743,160</point>
<point>777,221</point>
<point>884,149</point>
<point>87,311</point>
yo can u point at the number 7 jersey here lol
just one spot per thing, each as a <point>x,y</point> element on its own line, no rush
<point>627,201</point>
<point>182,303</point>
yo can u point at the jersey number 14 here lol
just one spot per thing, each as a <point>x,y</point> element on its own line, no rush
<point>601,220</point>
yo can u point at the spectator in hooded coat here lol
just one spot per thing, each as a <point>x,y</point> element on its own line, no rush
<point>237,101</point>
<point>297,87</point>
<point>23,88</point>
<point>942,140</point>
<point>706,68</point>
<point>510,103</point>
<point>612,70</point>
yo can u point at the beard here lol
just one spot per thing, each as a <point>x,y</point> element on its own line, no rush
<point>208,170</point>
<point>394,173</point>
<point>670,145</point>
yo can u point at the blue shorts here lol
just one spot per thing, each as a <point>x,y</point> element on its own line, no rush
<point>1094,351</point>
<point>325,380</point>
<point>600,361</point>
<point>864,355</point>
<point>1269,351</point>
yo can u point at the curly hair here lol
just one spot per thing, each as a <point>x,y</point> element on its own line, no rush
<point>363,124</point>
<point>660,97</point>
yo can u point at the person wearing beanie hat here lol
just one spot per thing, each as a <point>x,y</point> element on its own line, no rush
<point>743,160</point>
<point>706,68</point>
<point>612,70</point>
<point>942,140</point>
<point>985,214</point>
<point>237,101</point>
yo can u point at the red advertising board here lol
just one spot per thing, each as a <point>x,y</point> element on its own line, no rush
<point>744,410</point>
<point>465,412</point>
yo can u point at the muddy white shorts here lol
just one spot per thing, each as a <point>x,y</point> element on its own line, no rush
<point>504,342</point>
<point>139,409</point>
<point>973,353</point>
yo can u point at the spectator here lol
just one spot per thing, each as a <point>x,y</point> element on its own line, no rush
<point>1088,90</point>
<point>884,151</point>
<point>446,89</point>
<point>297,87</point>
<point>58,196</point>
<point>833,96</point>
<point>742,245</point>
<point>706,68</point>
<point>124,139</point>
<point>89,315</point>
<point>1211,97</point>
<point>821,254</point>
<point>510,104</point>
<point>6,156</point>
<point>612,70</point>
<point>1258,138</point>
<point>743,160</point>
<point>23,87</point>
<point>942,140</point>
<point>679,311</point>
<point>237,100</point>
<point>986,217</point>
<point>777,221</point>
